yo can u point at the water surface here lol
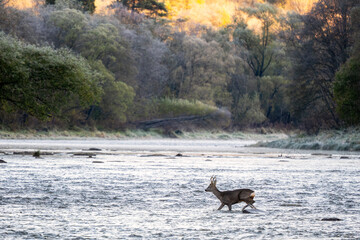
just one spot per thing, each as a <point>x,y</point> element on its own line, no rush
<point>140,189</point>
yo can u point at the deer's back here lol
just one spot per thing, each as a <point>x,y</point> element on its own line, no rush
<point>237,195</point>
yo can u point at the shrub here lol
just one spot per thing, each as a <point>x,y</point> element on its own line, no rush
<point>41,80</point>
<point>179,107</point>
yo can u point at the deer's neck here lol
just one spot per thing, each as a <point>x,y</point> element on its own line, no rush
<point>217,193</point>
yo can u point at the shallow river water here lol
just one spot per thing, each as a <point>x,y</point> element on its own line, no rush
<point>140,189</point>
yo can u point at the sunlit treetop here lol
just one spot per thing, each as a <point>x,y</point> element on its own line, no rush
<point>148,7</point>
<point>215,13</point>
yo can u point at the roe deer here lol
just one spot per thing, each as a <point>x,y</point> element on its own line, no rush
<point>229,198</point>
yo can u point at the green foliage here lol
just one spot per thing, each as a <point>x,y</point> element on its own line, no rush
<point>98,41</point>
<point>41,80</point>
<point>318,48</point>
<point>277,2</point>
<point>167,107</point>
<point>275,102</point>
<point>347,91</point>
<point>88,5</point>
<point>199,70</point>
<point>115,101</point>
<point>150,7</point>
<point>248,111</point>
<point>134,67</point>
<point>104,42</point>
<point>265,56</point>
<point>347,80</point>
<point>84,5</point>
<point>222,97</point>
<point>69,24</point>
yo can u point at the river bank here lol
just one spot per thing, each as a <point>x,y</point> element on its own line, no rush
<point>260,135</point>
<point>335,140</point>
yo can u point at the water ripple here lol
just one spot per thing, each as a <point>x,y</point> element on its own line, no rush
<point>129,196</point>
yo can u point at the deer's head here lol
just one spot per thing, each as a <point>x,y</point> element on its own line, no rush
<point>212,184</point>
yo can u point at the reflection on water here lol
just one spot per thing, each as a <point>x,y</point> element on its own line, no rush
<point>141,189</point>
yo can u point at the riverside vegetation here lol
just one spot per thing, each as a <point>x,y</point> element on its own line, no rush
<point>63,66</point>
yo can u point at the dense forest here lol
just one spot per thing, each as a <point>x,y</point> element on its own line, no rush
<point>64,65</point>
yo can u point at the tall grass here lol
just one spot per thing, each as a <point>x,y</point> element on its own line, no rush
<point>138,134</point>
<point>167,107</point>
<point>81,134</point>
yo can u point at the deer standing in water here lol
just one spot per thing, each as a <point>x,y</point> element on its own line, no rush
<point>229,198</point>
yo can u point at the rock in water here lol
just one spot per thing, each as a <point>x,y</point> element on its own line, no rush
<point>36,154</point>
<point>97,162</point>
<point>95,149</point>
<point>2,161</point>
<point>331,219</point>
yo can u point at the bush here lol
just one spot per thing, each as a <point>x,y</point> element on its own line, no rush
<point>179,107</point>
<point>347,91</point>
<point>42,81</point>
<point>248,111</point>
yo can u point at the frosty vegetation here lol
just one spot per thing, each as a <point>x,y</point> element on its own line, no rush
<point>348,140</point>
<point>64,66</point>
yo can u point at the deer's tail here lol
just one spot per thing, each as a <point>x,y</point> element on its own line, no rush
<point>252,195</point>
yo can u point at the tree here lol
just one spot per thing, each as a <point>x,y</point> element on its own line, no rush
<point>150,7</point>
<point>260,49</point>
<point>3,2</point>
<point>104,42</point>
<point>198,69</point>
<point>115,101</point>
<point>264,55</point>
<point>68,25</point>
<point>41,80</point>
<point>149,56</point>
<point>347,91</point>
<point>274,100</point>
<point>85,5</point>
<point>301,6</point>
<point>106,47</point>
<point>248,111</point>
<point>100,40</point>
<point>318,49</point>
<point>278,2</point>
<point>88,5</point>
<point>347,81</point>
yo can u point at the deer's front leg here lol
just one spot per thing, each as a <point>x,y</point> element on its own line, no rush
<point>244,207</point>
<point>221,206</point>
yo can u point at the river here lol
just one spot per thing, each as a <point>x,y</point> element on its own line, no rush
<point>154,189</point>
